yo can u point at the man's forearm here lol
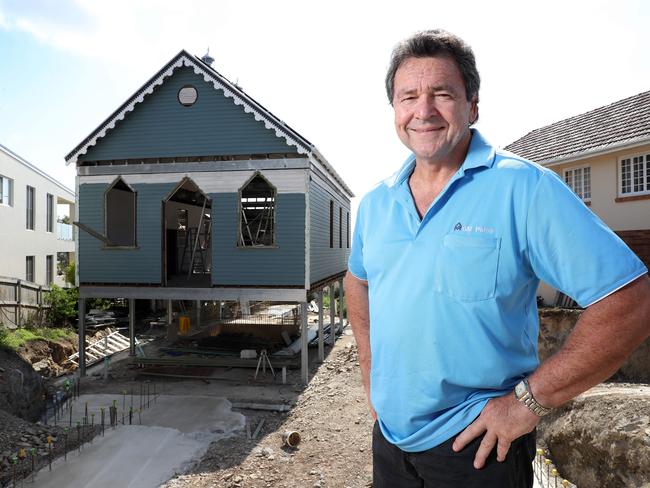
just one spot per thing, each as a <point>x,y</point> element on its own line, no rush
<point>606,333</point>
<point>356,295</point>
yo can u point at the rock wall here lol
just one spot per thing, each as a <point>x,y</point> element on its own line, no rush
<point>555,324</point>
<point>21,389</point>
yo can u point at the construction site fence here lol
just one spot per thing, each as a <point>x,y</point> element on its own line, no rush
<point>21,301</point>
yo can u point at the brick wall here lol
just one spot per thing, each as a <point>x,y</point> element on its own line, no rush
<point>639,242</point>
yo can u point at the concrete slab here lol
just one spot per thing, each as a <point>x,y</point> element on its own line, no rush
<point>175,431</point>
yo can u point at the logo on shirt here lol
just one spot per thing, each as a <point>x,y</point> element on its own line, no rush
<point>481,229</point>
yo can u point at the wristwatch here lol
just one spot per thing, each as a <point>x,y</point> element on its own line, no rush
<point>525,396</point>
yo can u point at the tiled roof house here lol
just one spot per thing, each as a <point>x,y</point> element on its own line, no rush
<point>604,156</point>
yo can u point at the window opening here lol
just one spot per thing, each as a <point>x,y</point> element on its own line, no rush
<point>347,228</point>
<point>257,213</point>
<point>579,180</point>
<point>340,227</point>
<point>331,224</point>
<point>49,269</point>
<point>29,268</point>
<point>6,191</point>
<point>188,236</point>
<point>49,223</point>
<point>30,207</point>
<point>121,214</point>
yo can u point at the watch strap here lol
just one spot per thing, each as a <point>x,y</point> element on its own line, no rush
<point>529,400</point>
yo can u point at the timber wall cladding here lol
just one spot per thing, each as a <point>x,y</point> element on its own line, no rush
<point>326,261</point>
<point>162,127</point>
<point>139,265</point>
<point>639,242</point>
<point>282,264</point>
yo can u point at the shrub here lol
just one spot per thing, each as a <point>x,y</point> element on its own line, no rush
<point>63,305</point>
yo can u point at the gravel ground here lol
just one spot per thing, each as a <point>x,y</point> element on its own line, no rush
<point>335,428</point>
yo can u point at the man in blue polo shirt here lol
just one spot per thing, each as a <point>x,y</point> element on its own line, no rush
<point>446,259</point>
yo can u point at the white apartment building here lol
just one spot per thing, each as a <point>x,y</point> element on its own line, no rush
<point>34,245</point>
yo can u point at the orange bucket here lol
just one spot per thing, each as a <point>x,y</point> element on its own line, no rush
<point>184,325</point>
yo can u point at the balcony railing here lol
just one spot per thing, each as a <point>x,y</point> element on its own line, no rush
<point>64,231</point>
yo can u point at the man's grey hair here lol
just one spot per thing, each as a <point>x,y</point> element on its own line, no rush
<point>433,43</point>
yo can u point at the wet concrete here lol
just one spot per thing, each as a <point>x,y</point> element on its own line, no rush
<point>174,432</point>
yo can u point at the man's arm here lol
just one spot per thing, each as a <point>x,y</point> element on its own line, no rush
<point>606,333</point>
<point>356,296</point>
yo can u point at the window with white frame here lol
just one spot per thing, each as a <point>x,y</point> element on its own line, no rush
<point>634,175</point>
<point>6,191</point>
<point>579,180</point>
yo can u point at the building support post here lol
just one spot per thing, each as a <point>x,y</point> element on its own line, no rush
<point>82,337</point>
<point>321,338</point>
<point>341,303</point>
<point>170,313</point>
<point>132,327</point>
<point>332,315</point>
<point>19,308</point>
<point>198,314</point>
<point>304,344</point>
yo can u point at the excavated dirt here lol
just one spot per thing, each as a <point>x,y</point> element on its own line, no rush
<point>335,426</point>
<point>602,438</point>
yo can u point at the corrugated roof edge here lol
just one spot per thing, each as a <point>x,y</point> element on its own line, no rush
<point>34,168</point>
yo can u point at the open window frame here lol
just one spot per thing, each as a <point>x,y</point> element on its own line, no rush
<point>120,185</point>
<point>244,221</point>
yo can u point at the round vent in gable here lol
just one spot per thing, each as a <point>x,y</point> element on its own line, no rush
<point>187,95</point>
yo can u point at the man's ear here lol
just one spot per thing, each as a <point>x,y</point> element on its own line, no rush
<point>473,113</point>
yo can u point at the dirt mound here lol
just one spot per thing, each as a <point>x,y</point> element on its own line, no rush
<point>49,358</point>
<point>334,423</point>
<point>602,438</point>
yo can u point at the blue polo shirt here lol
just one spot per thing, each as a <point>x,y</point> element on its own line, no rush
<point>453,313</point>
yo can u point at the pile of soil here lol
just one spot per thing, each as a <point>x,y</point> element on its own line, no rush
<point>335,426</point>
<point>602,438</point>
<point>50,358</point>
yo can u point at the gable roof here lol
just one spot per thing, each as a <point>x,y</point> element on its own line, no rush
<point>617,125</point>
<point>230,90</point>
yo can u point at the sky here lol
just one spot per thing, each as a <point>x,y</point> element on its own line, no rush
<point>65,65</point>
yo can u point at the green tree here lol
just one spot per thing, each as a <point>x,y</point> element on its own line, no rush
<point>63,305</point>
<point>70,273</point>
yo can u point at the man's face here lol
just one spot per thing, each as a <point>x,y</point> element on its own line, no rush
<point>432,114</point>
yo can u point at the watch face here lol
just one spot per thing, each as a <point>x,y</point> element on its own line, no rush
<point>520,389</point>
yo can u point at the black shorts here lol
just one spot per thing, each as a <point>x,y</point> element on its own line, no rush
<point>441,467</point>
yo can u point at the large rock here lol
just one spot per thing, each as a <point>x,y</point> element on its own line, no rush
<point>602,438</point>
<point>21,389</point>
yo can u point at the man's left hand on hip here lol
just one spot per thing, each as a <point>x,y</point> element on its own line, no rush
<point>503,420</point>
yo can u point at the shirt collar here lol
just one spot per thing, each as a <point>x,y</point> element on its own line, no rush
<point>480,153</point>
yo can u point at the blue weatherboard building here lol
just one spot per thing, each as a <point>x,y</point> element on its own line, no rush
<point>192,190</point>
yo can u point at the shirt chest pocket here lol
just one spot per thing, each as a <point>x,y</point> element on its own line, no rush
<point>466,267</point>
